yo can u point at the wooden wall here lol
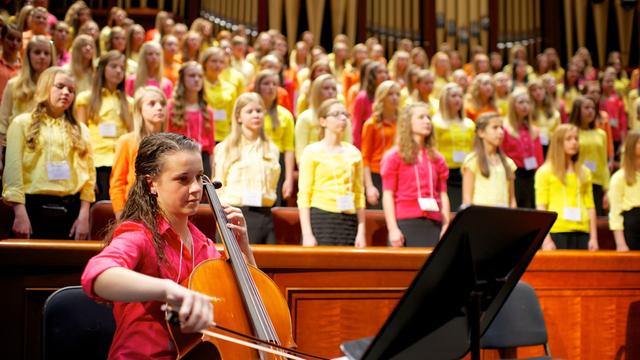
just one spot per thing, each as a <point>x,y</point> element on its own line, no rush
<point>590,301</point>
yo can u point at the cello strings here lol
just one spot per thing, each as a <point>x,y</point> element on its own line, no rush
<point>255,305</point>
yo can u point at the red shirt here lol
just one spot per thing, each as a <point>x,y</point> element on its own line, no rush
<point>194,128</point>
<point>362,109</point>
<point>401,178</point>
<point>522,147</point>
<point>614,107</point>
<point>141,332</point>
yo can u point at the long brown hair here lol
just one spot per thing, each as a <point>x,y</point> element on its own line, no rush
<point>99,82</point>
<point>629,158</point>
<point>273,111</point>
<point>179,105</point>
<point>407,147</point>
<point>478,147</point>
<point>142,206</point>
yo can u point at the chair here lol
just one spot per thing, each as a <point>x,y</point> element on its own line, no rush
<point>101,217</point>
<point>76,327</point>
<point>519,323</point>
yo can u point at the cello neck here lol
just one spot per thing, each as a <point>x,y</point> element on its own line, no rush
<point>262,325</point>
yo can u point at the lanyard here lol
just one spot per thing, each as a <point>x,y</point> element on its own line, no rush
<point>415,170</point>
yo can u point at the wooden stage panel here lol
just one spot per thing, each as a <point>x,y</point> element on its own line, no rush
<point>339,313</point>
<point>590,300</point>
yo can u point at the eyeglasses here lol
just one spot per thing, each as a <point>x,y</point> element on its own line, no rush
<point>338,113</point>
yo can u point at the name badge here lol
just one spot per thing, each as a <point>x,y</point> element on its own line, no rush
<point>544,139</point>
<point>428,204</point>
<point>458,156</point>
<point>58,170</point>
<point>107,129</point>
<point>219,115</point>
<point>345,202</point>
<point>614,122</point>
<point>530,163</point>
<point>590,164</point>
<point>252,198</point>
<point>572,214</point>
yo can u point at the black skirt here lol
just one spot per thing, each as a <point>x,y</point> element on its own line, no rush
<point>51,216</point>
<point>334,228</point>
<point>632,228</point>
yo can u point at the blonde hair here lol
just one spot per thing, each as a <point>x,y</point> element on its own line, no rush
<point>129,50</point>
<point>513,123</point>
<point>316,88</point>
<point>99,82</point>
<point>185,46</point>
<point>629,158</point>
<point>475,90</point>
<point>232,143</point>
<point>142,74</point>
<point>78,69</point>
<point>115,31</point>
<point>139,128</point>
<point>382,91</point>
<point>556,156</point>
<point>25,83</point>
<point>547,105</point>
<point>444,99</point>
<point>393,71</point>
<point>407,147</point>
<point>38,116</point>
<point>179,110</point>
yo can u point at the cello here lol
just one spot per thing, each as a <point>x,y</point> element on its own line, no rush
<point>245,301</point>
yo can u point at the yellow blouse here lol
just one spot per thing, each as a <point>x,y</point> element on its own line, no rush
<point>323,177</point>
<point>234,77</point>
<point>10,107</point>
<point>282,137</point>
<point>546,125</point>
<point>454,139</point>
<point>255,174</point>
<point>556,196</point>
<point>107,126</point>
<point>622,197</point>
<point>27,170</point>
<point>221,96</point>
<point>492,190</point>
<point>307,131</point>
<point>593,154</point>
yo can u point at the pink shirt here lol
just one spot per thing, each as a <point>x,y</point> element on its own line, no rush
<point>614,107</point>
<point>194,128</point>
<point>426,178</point>
<point>63,58</point>
<point>362,109</point>
<point>165,85</point>
<point>141,332</point>
<point>523,147</point>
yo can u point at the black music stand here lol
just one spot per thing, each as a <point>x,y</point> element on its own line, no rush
<point>461,287</point>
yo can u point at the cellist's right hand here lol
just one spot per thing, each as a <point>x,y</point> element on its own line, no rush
<point>196,310</point>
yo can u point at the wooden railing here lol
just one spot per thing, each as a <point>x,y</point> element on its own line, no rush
<point>590,300</point>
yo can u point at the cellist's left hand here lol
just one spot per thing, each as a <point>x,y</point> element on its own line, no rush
<point>238,225</point>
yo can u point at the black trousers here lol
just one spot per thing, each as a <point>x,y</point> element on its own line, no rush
<point>632,228</point>
<point>259,224</point>
<point>52,217</point>
<point>103,173</point>
<point>454,188</point>
<point>525,189</point>
<point>571,240</point>
<point>420,232</point>
<point>598,193</point>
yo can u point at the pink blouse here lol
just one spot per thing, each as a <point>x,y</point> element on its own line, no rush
<point>194,128</point>
<point>165,85</point>
<point>426,178</point>
<point>141,332</point>
<point>523,149</point>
